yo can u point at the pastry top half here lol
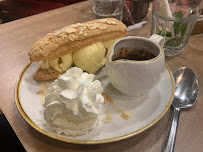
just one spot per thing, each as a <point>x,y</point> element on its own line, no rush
<point>74,37</point>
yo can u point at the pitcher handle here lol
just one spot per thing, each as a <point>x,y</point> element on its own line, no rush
<point>157,39</point>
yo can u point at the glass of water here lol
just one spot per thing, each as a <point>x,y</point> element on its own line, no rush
<point>174,20</point>
<point>107,8</point>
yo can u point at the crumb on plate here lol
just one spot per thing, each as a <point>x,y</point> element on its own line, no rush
<point>108,117</point>
<point>107,98</point>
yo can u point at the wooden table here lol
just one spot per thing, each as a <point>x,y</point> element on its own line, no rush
<point>16,39</point>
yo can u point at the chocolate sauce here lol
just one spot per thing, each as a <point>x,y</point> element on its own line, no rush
<point>133,54</point>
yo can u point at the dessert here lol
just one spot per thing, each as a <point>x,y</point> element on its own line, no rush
<point>73,103</point>
<point>93,57</point>
<point>75,44</point>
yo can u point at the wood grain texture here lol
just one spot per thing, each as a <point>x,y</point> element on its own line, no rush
<point>18,36</point>
<point>198,28</point>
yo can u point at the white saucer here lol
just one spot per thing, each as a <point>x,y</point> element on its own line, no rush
<point>147,110</point>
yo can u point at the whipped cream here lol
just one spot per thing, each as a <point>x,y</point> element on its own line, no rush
<point>73,103</point>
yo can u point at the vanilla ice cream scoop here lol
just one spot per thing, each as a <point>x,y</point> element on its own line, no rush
<point>73,103</point>
<point>90,58</point>
<point>60,64</point>
<point>93,57</point>
<point>109,43</point>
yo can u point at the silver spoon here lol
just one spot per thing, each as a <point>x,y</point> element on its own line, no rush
<point>186,92</point>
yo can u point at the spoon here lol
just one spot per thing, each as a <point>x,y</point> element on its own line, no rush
<point>186,92</point>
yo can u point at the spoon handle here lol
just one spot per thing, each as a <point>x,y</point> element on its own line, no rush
<point>169,147</point>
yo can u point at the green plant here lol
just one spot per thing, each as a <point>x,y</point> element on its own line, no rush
<point>179,30</point>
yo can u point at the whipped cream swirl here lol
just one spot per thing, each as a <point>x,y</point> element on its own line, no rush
<point>73,103</point>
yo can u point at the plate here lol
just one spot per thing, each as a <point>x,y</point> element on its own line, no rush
<point>145,111</point>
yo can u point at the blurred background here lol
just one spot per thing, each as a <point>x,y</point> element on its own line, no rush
<point>15,9</point>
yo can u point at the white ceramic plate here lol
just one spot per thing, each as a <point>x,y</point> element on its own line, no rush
<point>147,110</point>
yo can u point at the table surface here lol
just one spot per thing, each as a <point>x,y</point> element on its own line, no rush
<point>15,41</point>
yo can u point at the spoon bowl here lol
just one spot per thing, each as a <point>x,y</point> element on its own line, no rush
<point>186,92</point>
<point>186,88</point>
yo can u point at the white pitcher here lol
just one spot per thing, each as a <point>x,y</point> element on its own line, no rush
<point>132,77</point>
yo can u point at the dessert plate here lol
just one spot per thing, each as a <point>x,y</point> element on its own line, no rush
<point>129,115</point>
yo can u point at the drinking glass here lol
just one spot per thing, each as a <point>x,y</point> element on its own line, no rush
<point>107,8</point>
<point>174,20</point>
